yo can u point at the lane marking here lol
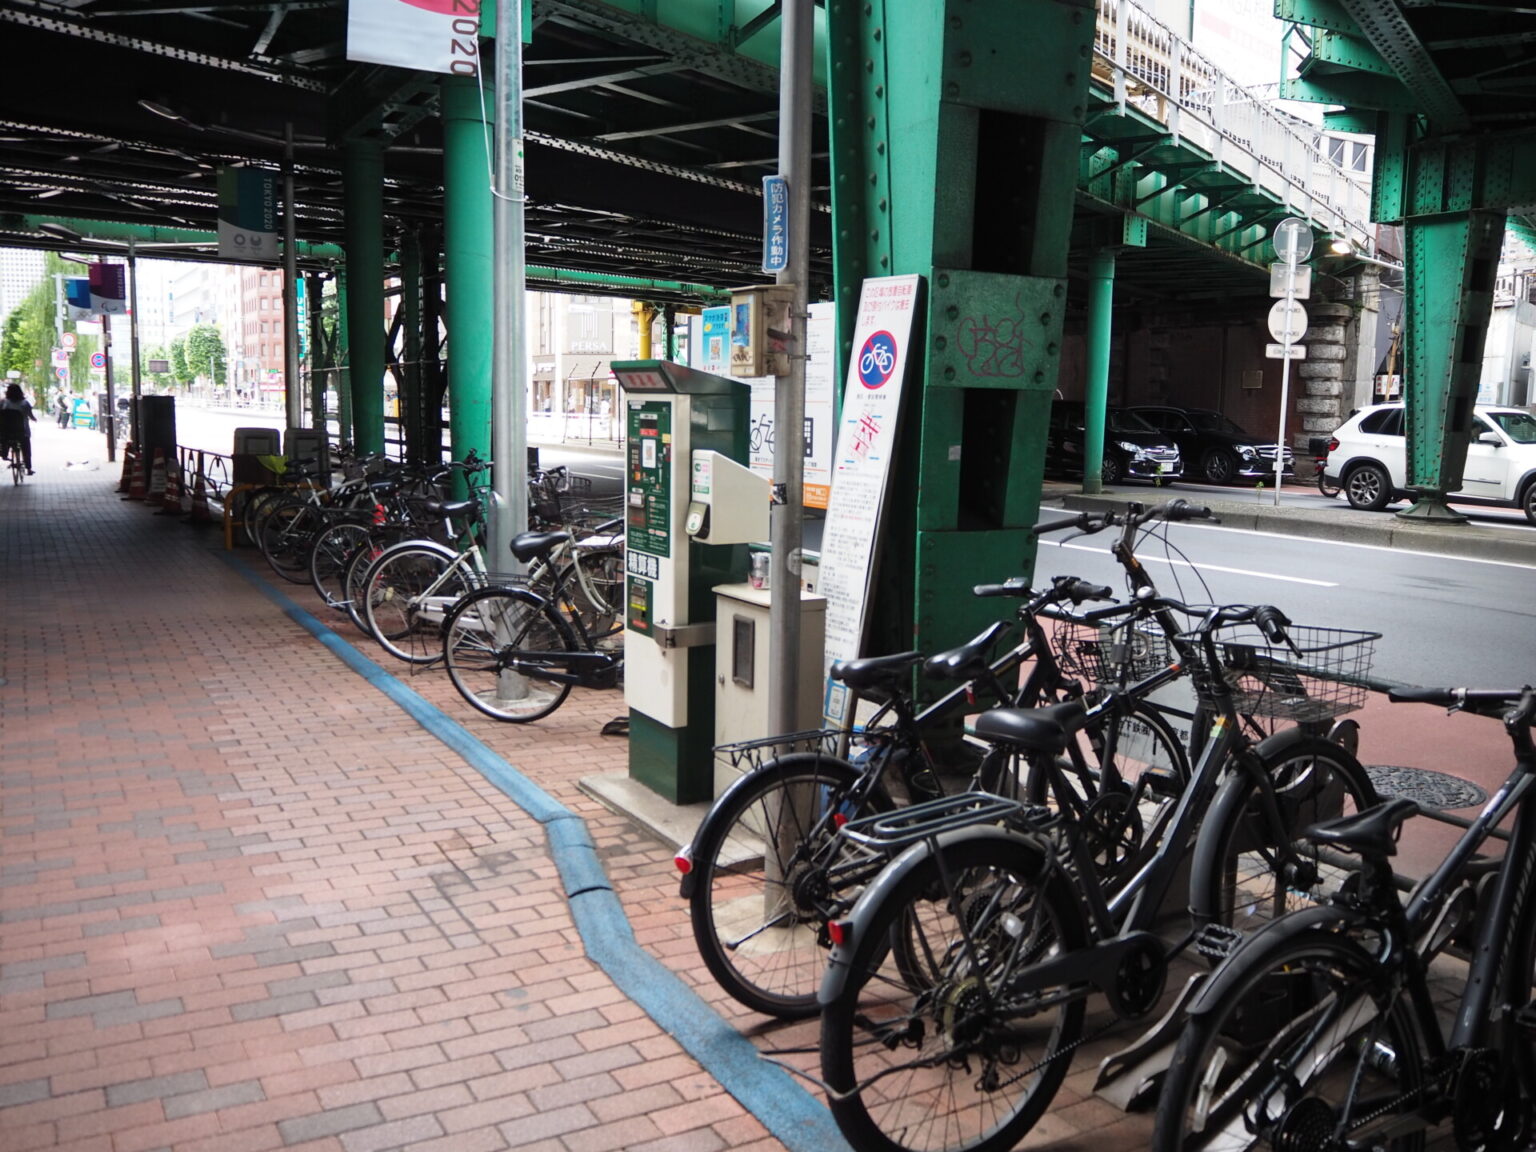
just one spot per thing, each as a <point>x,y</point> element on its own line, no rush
<point>1367,547</point>
<point>1202,567</point>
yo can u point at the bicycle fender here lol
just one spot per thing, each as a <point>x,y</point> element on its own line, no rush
<point>840,963</point>
<point>1322,921</point>
<point>712,826</point>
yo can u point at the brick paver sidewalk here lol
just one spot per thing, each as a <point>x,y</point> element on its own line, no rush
<point>248,902</point>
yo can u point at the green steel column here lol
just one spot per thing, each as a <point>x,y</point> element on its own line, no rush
<point>955,146</point>
<point>1452,261</point>
<point>362,168</point>
<point>345,431</point>
<point>411,430</point>
<point>1101,299</point>
<point>467,240</point>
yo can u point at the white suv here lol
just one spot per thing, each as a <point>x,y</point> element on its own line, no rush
<point>1367,455</point>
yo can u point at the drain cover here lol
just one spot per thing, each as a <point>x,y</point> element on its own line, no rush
<point>1429,788</point>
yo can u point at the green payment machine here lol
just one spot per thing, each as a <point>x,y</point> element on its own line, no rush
<point>691,506</point>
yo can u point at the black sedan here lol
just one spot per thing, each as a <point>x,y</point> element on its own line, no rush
<point>1213,446</point>
<point>1132,449</point>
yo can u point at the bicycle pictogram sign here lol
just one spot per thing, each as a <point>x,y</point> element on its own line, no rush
<point>877,359</point>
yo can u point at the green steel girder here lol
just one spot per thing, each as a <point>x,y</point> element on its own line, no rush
<point>1452,262</point>
<point>956,146</point>
<point>1351,89</point>
<point>1354,52</point>
<point>1382,22</point>
<point>1330,15</point>
<point>1426,177</point>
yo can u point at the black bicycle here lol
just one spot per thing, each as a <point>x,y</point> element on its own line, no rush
<point>1338,1027</point>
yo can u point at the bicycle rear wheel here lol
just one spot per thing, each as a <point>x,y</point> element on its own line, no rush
<point>287,534</point>
<point>407,594</point>
<point>495,641</point>
<point>953,1062</point>
<point>328,560</point>
<point>594,583</point>
<point>1247,871</point>
<point>1297,1052</point>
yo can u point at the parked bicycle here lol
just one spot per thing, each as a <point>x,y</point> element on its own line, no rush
<point>1325,1031</point>
<point>956,988</point>
<point>513,652</point>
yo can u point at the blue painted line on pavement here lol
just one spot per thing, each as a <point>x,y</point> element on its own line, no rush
<point>786,1109</point>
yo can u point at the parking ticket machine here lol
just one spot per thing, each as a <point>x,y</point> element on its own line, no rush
<point>688,515</point>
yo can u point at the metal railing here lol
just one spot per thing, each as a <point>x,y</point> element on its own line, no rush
<point>1148,67</point>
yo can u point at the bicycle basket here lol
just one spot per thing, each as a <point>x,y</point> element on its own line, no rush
<point>1098,653</point>
<point>1317,676</point>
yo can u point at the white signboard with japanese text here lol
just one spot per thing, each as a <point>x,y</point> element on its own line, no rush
<point>866,444</point>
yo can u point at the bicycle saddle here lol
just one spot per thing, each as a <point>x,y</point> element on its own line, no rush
<point>528,545</point>
<point>967,661</point>
<point>442,509</point>
<point>874,671</point>
<point>1370,833</point>
<point>1045,729</point>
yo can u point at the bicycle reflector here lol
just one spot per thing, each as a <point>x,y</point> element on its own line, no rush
<point>841,932</point>
<point>684,860</point>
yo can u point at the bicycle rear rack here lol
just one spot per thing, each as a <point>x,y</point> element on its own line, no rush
<point>892,831</point>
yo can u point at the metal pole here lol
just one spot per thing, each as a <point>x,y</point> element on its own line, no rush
<point>788,523</point>
<point>293,392</point>
<point>106,353</point>
<point>509,375</point>
<point>1101,301</point>
<point>1285,387</point>
<point>133,344</point>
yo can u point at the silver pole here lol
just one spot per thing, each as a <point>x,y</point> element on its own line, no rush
<point>133,344</point>
<point>509,376</point>
<point>787,527</point>
<point>106,353</point>
<point>293,391</point>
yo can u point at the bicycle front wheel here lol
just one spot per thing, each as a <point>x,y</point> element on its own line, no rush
<point>1297,1052</point>
<point>496,641</point>
<point>407,595</point>
<point>954,1061</point>
<point>763,880</point>
<point>328,560</point>
<point>1251,866</point>
<point>594,582</point>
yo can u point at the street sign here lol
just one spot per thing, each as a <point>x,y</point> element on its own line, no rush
<point>1293,240</point>
<point>61,373</point>
<point>1285,351</point>
<point>775,224</point>
<point>1287,321</point>
<point>1290,280</point>
<point>99,359</point>
<point>68,340</point>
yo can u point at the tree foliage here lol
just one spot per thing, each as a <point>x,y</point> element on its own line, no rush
<point>179,367</point>
<point>204,352</point>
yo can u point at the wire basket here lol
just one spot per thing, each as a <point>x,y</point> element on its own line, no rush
<point>1099,653</point>
<point>1318,675</point>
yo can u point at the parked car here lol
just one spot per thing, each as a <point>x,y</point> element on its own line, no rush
<point>1213,447</point>
<point>1133,449</point>
<point>1368,455</point>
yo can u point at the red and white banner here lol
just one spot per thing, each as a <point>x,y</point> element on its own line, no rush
<point>428,35</point>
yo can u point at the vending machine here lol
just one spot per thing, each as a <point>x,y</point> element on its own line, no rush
<point>691,507</point>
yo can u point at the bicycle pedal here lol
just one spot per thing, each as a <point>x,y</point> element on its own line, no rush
<point>1216,941</point>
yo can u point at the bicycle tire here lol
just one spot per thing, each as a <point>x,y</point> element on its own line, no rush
<point>406,626</point>
<point>1221,1091</point>
<point>927,1069</point>
<point>1237,877</point>
<point>379,540</point>
<point>596,591</point>
<point>328,560</point>
<point>287,534</point>
<point>1327,487</point>
<point>742,882</point>
<point>256,504</point>
<point>491,627</point>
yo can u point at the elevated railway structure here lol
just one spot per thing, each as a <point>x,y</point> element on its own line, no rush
<point>1031,159</point>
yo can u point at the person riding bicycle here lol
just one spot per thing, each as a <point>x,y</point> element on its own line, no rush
<point>15,416</point>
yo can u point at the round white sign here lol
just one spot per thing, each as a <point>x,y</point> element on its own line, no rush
<point>1287,321</point>
<point>1293,240</point>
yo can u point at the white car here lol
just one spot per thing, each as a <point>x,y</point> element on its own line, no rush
<point>1368,456</point>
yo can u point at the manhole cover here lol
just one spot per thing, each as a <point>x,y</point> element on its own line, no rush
<point>1429,788</point>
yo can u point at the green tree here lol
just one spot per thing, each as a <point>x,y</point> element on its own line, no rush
<point>179,367</point>
<point>205,352</point>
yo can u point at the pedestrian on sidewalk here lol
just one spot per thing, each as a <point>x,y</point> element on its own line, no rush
<point>62,407</point>
<point>16,418</point>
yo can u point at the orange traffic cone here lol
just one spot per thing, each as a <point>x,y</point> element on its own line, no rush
<point>129,452</point>
<point>170,499</point>
<point>201,513</point>
<point>156,491</point>
<point>136,480</point>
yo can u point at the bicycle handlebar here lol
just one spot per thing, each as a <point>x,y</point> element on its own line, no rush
<point>1062,588</point>
<point>1480,700</point>
<point>1134,516</point>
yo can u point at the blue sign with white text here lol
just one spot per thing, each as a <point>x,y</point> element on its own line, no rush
<point>775,224</point>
